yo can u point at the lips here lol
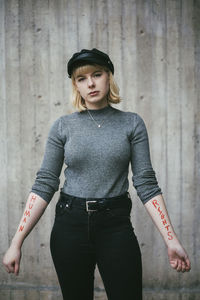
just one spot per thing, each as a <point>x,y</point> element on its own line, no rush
<point>93,93</point>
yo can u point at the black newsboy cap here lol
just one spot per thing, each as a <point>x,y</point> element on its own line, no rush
<point>85,56</point>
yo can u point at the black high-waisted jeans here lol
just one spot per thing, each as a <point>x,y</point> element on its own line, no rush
<point>81,239</point>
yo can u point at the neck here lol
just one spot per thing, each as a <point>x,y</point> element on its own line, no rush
<point>95,106</point>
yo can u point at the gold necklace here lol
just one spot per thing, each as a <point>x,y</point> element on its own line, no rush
<point>98,125</point>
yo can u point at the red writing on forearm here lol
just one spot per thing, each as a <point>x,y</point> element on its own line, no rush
<point>155,203</point>
<point>27,213</point>
<point>170,237</point>
<point>21,228</point>
<point>164,221</point>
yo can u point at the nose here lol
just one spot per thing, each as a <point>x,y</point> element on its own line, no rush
<point>90,82</point>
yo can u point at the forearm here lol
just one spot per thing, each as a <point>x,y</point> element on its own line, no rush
<point>158,212</point>
<point>34,209</point>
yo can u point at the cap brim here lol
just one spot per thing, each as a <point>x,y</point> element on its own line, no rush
<point>84,61</point>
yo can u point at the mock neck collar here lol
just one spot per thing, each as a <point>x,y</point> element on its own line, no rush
<point>100,111</point>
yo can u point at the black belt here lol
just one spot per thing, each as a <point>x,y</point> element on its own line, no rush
<point>96,204</point>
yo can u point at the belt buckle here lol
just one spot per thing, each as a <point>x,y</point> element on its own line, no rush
<point>87,208</point>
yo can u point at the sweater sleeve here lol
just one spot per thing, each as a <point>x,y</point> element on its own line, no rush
<point>144,178</point>
<point>47,178</point>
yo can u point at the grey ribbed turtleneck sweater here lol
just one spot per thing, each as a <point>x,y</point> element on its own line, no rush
<point>97,159</point>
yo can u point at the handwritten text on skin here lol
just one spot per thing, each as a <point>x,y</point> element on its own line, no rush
<point>27,213</point>
<point>162,216</point>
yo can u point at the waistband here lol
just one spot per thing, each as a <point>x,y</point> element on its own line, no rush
<point>96,204</point>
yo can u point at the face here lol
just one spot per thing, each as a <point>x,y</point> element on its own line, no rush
<point>93,88</point>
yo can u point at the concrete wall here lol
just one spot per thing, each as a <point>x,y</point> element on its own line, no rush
<point>155,46</point>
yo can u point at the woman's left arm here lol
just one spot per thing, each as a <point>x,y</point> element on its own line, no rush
<point>178,257</point>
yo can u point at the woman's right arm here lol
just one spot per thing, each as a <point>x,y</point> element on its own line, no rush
<point>46,184</point>
<point>34,209</point>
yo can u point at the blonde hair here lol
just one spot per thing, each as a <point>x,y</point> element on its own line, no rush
<point>78,101</point>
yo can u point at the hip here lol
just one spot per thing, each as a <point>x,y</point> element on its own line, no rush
<point>98,212</point>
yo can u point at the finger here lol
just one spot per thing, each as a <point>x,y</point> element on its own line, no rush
<point>179,266</point>
<point>187,269</point>
<point>7,269</point>
<point>174,264</point>
<point>11,268</point>
<point>183,267</point>
<point>188,265</point>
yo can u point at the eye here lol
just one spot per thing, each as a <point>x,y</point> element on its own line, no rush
<point>80,79</point>
<point>97,74</point>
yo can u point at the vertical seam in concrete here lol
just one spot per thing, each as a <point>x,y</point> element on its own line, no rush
<point>62,9</point>
<point>152,44</point>
<point>107,31</point>
<point>77,24</point>
<point>34,89</point>
<point>166,95</point>
<point>19,82</point>
<point>180,28</point>
<point>122,49</point>
<point>49,51</point>
<point>49,65</point>
<point>196,120</point>
<point>137,64</point>
<point>3,89</point>
<point>91,23</point>
<point>63,52</point>
<point>180,77</point>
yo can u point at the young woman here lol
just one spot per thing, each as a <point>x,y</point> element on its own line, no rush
<point>92,223</point>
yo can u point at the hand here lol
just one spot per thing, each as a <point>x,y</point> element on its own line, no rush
<point>12,259</point>
<point>178,258</point>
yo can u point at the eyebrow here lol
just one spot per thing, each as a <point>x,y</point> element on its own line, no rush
<point>82,75</point>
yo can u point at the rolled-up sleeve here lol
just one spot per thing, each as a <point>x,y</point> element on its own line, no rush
<point>47,178</point>
<point>144,178</point>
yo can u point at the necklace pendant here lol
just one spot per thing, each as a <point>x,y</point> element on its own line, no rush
<point>99,125</point>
